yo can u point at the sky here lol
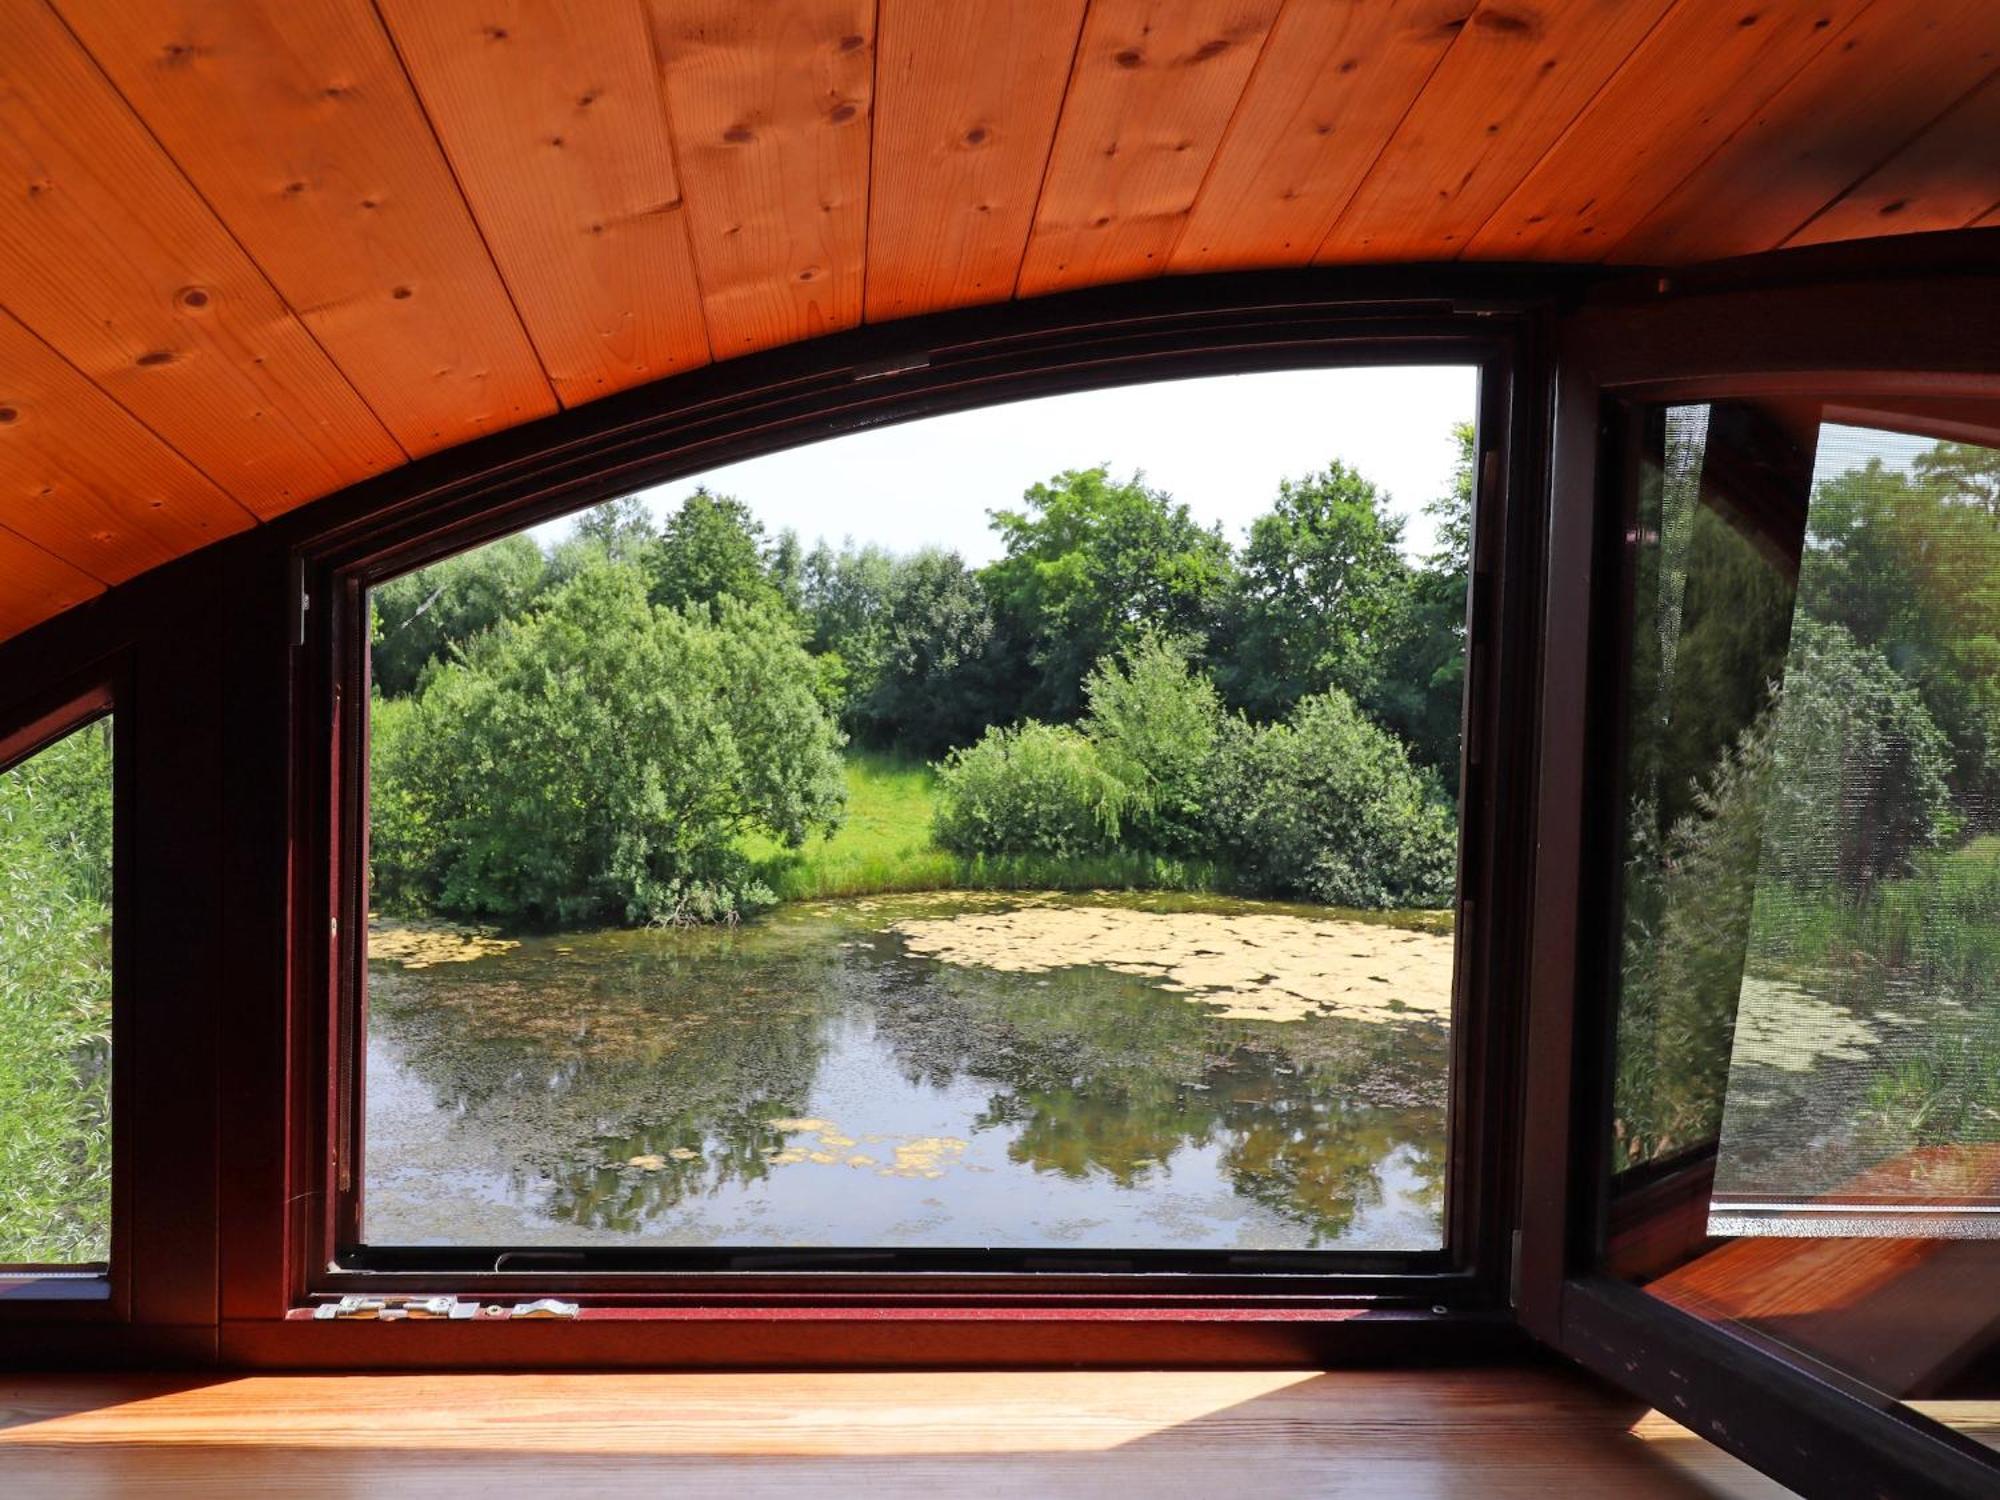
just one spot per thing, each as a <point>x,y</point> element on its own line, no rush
<point>1220,444</point>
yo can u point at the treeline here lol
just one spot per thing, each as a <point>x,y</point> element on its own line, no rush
<point>588,734</point>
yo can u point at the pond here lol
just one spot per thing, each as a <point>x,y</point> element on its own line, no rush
<point>945,1070</point>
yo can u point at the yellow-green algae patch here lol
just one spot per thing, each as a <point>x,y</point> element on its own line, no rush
<point>418,945</point>
<point>1254,966</point>
<point>915,1156</point>
<point>1780,1025</point>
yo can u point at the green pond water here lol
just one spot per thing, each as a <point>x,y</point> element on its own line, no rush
<point>808,1079</point>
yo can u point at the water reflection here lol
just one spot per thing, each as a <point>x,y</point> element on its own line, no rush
<point>808,1080</point>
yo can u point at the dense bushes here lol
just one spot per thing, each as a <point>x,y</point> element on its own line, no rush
<point>1033,789</point>
<point>600,759</point>
<point>1325,805</point>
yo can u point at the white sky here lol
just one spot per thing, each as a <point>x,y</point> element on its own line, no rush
<point>1221,444</point>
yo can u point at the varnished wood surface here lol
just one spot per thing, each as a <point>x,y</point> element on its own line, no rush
<point>1494,1433</point>
<point>298,243</point>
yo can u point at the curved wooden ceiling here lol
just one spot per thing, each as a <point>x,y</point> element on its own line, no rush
<point>252,251</point>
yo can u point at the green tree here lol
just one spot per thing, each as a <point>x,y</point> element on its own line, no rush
<point>1420,689</point>
<point>1154,721</point>
<point>1089,561</point>
<point>600,759</point>
<point>932,685</point>
<point>711,548</point>
<point>1910,564</point>
<point>421,616</point>
<point>1322,587</point>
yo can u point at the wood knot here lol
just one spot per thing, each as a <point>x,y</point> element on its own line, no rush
<point>401,294</point>
<point>8,414</point>
<point>842,113</point>
<point>154,359</point>
<point>194,298</point>
<point>1131,57</point>
<point>1505,24</point>
<point>852,43</point>
<point>738,135</point>
<point>976,136</point>
<point>1209,49</point>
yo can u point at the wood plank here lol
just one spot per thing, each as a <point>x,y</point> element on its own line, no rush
<point>770,107</point>
<point>1153,90</point>
<point>1944,179</point>
<point>298,125</point>
<point>1505,1433</point>
<point>1335,78</point>
<point>969,95</point>
<point>35,583</point>
<point>1655,122</point>
<point>551,114</point>
<point>84,480</point>
<point>1893,71</point>
<point>109,255</point>
<point>1514,81</point>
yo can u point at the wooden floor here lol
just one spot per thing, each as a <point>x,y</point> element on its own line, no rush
<point>1492,1433</point>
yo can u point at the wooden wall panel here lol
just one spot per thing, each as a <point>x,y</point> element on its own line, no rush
<point>1511,84</point>
<point>968,98</point>
<point>109,255</point>
<point>770,108</point>
<point>1154,86</point>
<point>81,478</point>
<point>1899,66</point>
<point>1943,179</point>
<point>297,124</point>
<point>1656,121</point>
<point>1335,78</point>
<point>35,584</point>
<point>551,114</point>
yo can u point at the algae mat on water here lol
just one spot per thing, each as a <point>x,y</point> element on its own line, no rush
<point>1255,966</point>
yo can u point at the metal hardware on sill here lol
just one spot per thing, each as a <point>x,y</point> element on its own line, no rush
<point>356,1306</point>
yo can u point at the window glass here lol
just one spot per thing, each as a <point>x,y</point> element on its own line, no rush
<point>1806,1123</point>
<point>1033,828</point>
<point>55,1003</point>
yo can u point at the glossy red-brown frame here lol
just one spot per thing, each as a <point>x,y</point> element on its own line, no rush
<point>895,374</point>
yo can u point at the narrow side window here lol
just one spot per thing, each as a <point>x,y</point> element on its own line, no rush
<point>55,1002</point>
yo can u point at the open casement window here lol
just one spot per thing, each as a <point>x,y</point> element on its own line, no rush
<point>1806,1104</point>
<point>1776,733</point>
<point>572,1060</point>
<point>56,1002</point>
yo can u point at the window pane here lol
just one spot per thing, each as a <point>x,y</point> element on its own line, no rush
<point>55,1003</point>
<point>936,838</point>
<point>1807,1102</point>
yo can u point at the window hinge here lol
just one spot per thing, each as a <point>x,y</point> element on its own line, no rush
<point>305,608</point>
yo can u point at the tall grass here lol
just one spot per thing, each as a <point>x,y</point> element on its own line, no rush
<point>884,847</point>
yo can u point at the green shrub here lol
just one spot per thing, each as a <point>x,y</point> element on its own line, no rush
<point>1154,722</point>
<point>601,760</point>
<point>1034,789</point>
<point>1327,806</point>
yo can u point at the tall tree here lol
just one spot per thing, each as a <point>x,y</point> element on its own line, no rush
<point>420,617</point>
<point>1090,561</point>
<point>711,548</point>
<point>1322,587</point>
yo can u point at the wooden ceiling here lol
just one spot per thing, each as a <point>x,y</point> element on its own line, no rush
<point>252,251</point>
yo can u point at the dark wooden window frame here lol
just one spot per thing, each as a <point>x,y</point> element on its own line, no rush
<point>1734,331</point>
<point>900,373</point>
